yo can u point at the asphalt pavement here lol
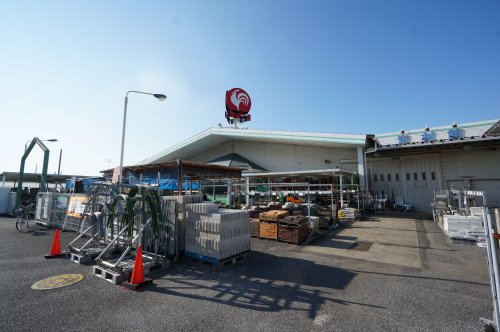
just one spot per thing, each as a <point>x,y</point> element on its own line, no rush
<point>279,287</point>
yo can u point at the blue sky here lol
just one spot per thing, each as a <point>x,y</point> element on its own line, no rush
<point>326,66</point>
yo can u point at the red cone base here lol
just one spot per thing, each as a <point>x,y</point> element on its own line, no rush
<point>137,280</point>
<point>55,250</point>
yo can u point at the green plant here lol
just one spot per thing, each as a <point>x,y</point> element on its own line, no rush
<point>142,199</point>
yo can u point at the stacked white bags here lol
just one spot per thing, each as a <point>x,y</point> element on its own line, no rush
<point>216,233</point>
<point>463,227</point>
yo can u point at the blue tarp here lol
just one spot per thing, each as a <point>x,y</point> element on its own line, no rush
<point>87,183</point>
<point>165,184</point>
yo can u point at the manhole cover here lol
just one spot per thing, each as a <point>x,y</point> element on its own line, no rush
<point>57,281</point>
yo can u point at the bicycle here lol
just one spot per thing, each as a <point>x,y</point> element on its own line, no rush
<point>23,215</point>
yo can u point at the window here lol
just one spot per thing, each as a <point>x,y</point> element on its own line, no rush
<point>397,176</point>
<point>374,177</point>
<point>407,176</point>
<point>381,177</point>
<point>433,175</point>
<point>424,177</point>
<point>415,176</point>
<point>389,177</point>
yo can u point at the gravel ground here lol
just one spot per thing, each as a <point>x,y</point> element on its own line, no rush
<point>278,287</point>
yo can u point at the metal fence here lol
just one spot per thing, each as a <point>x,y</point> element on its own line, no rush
<point>51,209</point>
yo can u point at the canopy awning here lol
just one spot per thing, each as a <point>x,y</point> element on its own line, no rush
<point>305,173</point>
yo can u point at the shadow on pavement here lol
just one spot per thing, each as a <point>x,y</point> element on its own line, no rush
<point>37,231</point>
<point>401,215</point>
<point>263,282</point>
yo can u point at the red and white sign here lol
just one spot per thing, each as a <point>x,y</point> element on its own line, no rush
<point>238,103</point>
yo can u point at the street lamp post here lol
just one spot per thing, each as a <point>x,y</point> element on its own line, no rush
<point>157,96</point>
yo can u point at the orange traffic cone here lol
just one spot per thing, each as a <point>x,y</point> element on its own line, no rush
<point>55,250</point>
<point>137,280</point>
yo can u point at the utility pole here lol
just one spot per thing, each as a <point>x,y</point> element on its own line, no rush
<point>59,167</point>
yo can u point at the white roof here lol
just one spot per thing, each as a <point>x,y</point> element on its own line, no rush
<point>215,136</point>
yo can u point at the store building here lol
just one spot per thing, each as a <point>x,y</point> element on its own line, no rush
<point>412,164</point>
<point>408,165</point>
<point>270,151</point>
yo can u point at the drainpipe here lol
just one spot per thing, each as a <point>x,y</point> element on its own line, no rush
<point>366,165</point>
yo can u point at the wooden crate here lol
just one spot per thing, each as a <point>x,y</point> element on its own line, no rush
<point>293,233</point>
<point>254,227</point>
<point>273,215</point>
<point>268,230</point>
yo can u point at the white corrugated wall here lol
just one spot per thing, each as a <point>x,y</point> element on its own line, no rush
<point>478,169</point>
<point>424,177</point>
<point>285,157</point>
<point>412,177</point>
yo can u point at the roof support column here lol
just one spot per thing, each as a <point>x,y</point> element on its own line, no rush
<point>159,183</point>
<point>361,167</point>
<point>341,192</point>
<point>247,192</point>
<point>229,191</point>
<point>179,177</point>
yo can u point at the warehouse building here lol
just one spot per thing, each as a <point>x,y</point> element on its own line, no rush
<point>412,164</point>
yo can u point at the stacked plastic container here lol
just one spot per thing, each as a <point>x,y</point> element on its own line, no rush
<point>216,233</point>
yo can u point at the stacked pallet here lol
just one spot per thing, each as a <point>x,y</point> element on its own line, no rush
<point>216,233</point>
<point>293,229</point>
<point>269,223</point>
<point>268,230</point>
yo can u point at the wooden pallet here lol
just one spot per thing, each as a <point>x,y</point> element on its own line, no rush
<point>291,233</point>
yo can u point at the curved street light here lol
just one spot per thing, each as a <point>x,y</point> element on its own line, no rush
<point>43,178</point>
<point>158,96</point>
